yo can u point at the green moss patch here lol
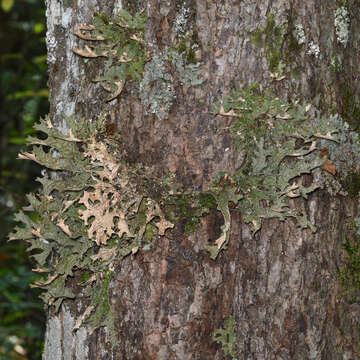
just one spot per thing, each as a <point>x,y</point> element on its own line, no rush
<point>271,38</point>
<point>350,273</point>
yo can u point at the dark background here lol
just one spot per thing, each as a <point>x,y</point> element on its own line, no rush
<point>23,100</point>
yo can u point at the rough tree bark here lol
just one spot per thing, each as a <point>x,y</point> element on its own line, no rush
<point>281,285</point>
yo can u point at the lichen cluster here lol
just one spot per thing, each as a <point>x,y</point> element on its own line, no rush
<point>342,23</point>
<point>227,338</point>
<point>345,152</point>
<point>94,209</point>
<point>121,42</point>
<point>314,49</point>
<point>281,142</point>
<point>181,21</point>
<point>90,212</point>
<point>300,34</point>
<point>157,92</point>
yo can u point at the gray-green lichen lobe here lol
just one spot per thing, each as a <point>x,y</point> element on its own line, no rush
<point>82,222</point>
<point>277,154</point>
<point>126,54</point>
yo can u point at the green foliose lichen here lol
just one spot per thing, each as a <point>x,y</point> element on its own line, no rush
<point>121,42</point>
<point>89,214</point>
<point>282,142</point>
<point>223,195</point>
<point>227,338</point>
<point>94,209</point>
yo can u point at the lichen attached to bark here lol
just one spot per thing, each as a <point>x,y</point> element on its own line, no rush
<point>157,91</point>
<point>128,57</point>
<point>341,23</point>
<point>121,42</point>
<point>89,214</point>
<point>227,338</point>
<point>283,141</point>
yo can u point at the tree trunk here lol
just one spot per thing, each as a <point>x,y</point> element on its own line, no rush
<point>280,285</point>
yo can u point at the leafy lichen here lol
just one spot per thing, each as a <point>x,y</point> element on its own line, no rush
<point>223,196</point>
<point>227,338</point>
<point>121,42</point>
<point>128,57</point>
<point>90,213</point>
<point>93,209</point>
<point>283,141</point>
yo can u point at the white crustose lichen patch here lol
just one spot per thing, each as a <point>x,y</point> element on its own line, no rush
<point>157,92</point>
<point>51,44</point>
<point>181,21</point>
<point>341,23</point>
<point>314,49</point>
<point>300,34</point>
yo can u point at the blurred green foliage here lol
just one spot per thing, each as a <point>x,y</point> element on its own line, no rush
<point>23,99</point>
<point>7,5</point>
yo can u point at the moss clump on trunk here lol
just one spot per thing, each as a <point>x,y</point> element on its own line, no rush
<point>350,273</point>
<point>271,37</point>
